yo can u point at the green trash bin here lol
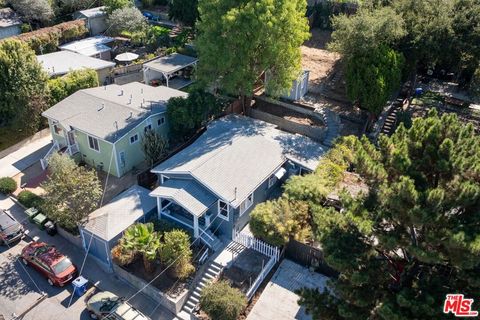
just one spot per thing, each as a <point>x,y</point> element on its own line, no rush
<point>40,219</point>
<point>31,213</point>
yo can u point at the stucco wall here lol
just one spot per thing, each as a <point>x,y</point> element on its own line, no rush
<point>133,152</point>
<point>93,157</point>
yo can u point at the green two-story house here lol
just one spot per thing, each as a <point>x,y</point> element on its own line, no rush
<point>104,126</point>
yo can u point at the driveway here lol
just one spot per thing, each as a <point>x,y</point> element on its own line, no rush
<point>279,300</point>
<point>18,291</point>
<point>25,156</point>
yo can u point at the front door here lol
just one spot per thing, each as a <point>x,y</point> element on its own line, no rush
<point>71,138</point>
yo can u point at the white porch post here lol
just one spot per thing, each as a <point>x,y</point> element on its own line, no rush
<point>195,226</point>
<point>159,208</point>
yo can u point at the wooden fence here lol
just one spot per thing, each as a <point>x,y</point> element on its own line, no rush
<point>308,256</point>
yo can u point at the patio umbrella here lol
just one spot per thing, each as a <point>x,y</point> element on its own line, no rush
<point>126,57</point>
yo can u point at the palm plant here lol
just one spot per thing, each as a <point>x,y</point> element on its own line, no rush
<point>141,238</point>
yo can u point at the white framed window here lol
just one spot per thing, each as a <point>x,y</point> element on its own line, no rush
<point>223,209</point>
<point>148,127</point>
<point>271,181</point>
<point>93,143</point>
<point>134,138</point>
<point>161,121</point>
<point>246,204</point>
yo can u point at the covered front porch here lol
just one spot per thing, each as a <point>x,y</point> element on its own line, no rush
<point>187,204</point>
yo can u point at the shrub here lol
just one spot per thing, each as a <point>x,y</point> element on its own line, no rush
<point>222,302</point>
<point>7,185</point>
<point>275,222</point>
<point>126,19</point>
<point>176,249</point>
<point>29,199</point>
<point>122,256</point>
<point>47,40</point>
<point>62,87</point>
<point>187,115</point>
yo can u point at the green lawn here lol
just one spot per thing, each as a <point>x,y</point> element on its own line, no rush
<point>10,135</point>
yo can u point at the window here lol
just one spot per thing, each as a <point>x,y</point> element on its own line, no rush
<point>134,138</point>
<point>161,121</point>
<point>223,210</point>
<point>271,181</point>
<point>148,127</point>
<point>93,143</point>
<point>58,130</point>
<point>246,204</point>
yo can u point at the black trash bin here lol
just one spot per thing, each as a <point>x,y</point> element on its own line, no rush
<point>50,228</point>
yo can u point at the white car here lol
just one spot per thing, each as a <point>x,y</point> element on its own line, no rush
<point>106,305</point>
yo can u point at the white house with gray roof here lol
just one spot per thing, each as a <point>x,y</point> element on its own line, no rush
<point>62,62</point>
<point>211,186</point>
<point>104,126</point>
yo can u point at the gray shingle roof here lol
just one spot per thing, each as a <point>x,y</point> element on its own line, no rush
<point>125,209</point>
<point>236,154</point>
<point>98,111</point>
<point>171,63</point>
<point>187,193</point>
<point>62,62</point>
<point>89,46</point>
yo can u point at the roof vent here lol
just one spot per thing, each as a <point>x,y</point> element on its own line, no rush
<point>130,116</point>
<point>121,92</point>
<point>101,107</point>
<point>141,90</point>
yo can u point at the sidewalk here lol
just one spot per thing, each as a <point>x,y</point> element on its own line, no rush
<point>25,156</point>
<point>55,307</point>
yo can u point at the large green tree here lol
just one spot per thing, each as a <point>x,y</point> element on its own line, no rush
<point>62,87</point>
<point>239,40</point>
<point>23,83</point>
<point>415,236</point>
<point>71,192</point>
<point>372,77</point>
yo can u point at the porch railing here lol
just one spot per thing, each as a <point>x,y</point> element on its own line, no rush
<point>44,160</point>
<point>73,149</point>
<point>265,271</point>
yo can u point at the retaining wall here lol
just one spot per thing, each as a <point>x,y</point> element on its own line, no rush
<point>174,305</point>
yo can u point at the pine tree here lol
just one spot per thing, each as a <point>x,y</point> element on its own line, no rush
<point>415,236</point>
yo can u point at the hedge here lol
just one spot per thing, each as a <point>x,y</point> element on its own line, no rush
<point>47,40</point>
<point>7,185</point>
<point>29,199</point>
<point>222,302</point>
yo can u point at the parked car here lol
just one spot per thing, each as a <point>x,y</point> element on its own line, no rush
<point>10,229</point>
<point>105,304</point>
<point>53,265</point>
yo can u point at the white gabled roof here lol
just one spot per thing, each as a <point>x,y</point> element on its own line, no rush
<point>62,62</point>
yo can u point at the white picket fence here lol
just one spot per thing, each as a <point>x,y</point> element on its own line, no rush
<point>262,247</point>
<point>257,245</point>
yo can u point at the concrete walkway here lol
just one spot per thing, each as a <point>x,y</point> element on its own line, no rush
<point>25,156</point>
<point>279,300</point>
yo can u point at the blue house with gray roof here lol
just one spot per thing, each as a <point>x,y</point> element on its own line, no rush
<point>211,186</point>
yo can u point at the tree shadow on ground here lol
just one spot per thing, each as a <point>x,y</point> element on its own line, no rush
<point>14,282</point>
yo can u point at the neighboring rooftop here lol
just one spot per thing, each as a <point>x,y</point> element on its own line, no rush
<point>93,12</point>
<point>89,46</point>
<point>109,112</point>
<point>170,64</point>
<point>237,153</point>
<point>62,62</point>
<point>9,18</point>
<point>125,209</point>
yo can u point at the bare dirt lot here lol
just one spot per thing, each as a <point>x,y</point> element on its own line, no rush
<point>317,59</point>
